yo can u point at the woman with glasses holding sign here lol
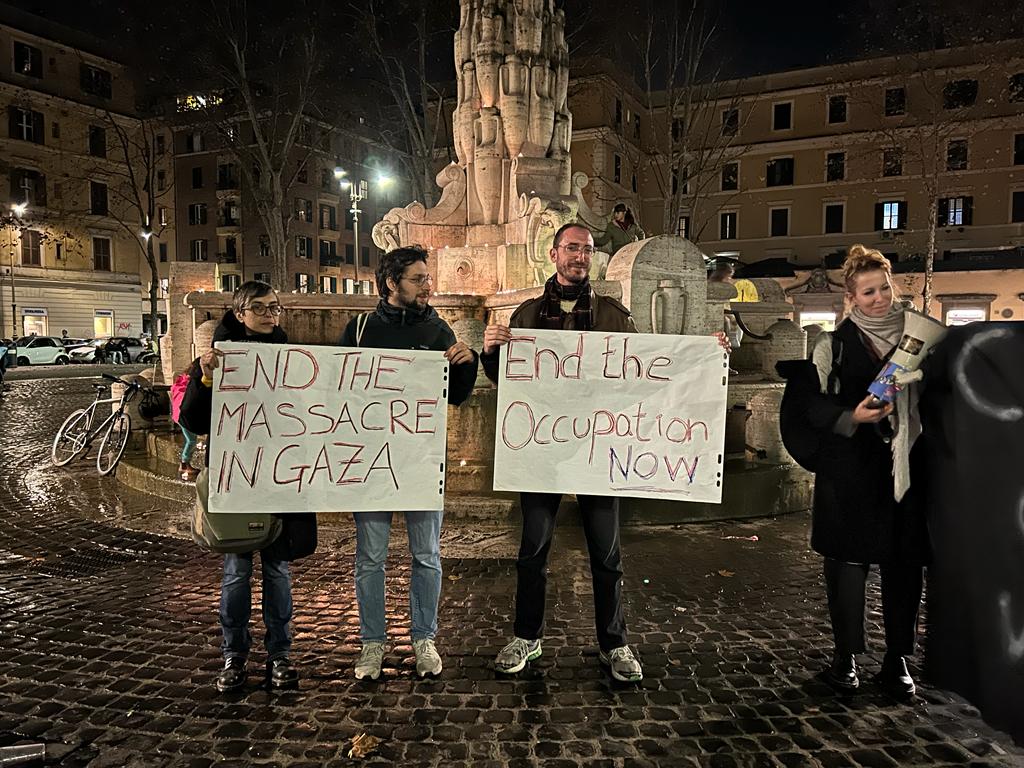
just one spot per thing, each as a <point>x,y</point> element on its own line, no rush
<point>404,319</point>
<point>254,317</point>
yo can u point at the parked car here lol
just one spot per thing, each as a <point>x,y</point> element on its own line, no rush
<point>41,350</point>
<point>137,351</point>
<point>70,343</point>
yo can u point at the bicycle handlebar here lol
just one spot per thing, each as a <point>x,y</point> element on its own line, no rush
<point>116,380</point>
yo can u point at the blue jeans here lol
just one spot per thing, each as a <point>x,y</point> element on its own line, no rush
<point>236,606</point>
<point>190,445</point>
<point>373,530</point>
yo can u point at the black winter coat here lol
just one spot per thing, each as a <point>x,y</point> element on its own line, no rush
<point>855,517</point>
<point>393,328</point>
<point>298,534</point>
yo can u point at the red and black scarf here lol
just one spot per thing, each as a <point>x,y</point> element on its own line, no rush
<point>552,314</point>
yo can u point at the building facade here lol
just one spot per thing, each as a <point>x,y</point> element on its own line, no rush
<point>73,247</point>
<point>807,162</point>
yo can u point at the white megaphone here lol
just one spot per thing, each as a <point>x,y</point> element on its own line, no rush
<point>920,334</point>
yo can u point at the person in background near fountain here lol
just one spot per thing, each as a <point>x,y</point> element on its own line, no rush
<point>866,509</point>
<point>404,319</point>
<point>622,230</point>
<point>568,303</point>
<point>185,471</point>
<point>254,316</point>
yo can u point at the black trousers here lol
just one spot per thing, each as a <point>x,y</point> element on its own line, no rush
<point>601,527</point>
<point>901,600</point>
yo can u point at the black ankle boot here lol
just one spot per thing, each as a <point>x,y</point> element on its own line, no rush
<point>232,677</point>
<point>842,673</point>
<point>895,678</point>
<point>282,674</point>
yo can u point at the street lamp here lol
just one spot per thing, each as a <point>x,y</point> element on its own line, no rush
<point>18,210</point>
<point>356,194</point>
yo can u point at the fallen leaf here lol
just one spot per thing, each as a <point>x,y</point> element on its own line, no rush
<point>363,745</point>
<point>680,609</point>
<point>675,662</point>
<point>726,573</point>
<point>740,538</point>
<point>453,577</point>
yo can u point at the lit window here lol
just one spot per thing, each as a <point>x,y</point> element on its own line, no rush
<point>965,315</point>
<point>827,320</point>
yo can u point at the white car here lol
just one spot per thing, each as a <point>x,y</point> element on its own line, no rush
<point>41,350</point>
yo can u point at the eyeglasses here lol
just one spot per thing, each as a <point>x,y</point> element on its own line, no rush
<point>420,280</point>
<point>261,309</point>
<point>574,248</point>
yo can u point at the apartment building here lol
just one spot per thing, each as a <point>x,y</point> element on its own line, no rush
<point>813,160</point>
<point>343,184</point>
<point>72,250</point>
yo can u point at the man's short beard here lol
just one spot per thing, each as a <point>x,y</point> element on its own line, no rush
<point>573,279</point>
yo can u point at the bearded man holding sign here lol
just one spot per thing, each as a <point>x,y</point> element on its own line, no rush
<point>568,303</point>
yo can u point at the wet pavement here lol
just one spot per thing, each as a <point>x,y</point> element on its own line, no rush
<point>109,644</point>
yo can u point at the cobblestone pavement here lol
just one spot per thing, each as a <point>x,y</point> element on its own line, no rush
<point>109,644</point>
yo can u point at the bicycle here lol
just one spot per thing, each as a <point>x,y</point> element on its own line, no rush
<point>77,433</point>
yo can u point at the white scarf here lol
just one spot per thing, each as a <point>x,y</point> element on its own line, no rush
<point>885,333</point>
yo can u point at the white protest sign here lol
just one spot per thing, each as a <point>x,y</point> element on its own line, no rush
<point>611,414</point>
<point>299,428</point>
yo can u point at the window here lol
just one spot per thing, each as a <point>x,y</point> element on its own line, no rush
<point>303,209</point>
<point>350,253</point>
<point>31,252</point>
<point>778,222</point>
<point>348,219</point>
<point>159,145</point>
<point>95,81</point>
<point>965,315</point>
<point>161,181</point>
<point>328,217</point>
<point>97,141</point>
<point>827,320</point>
<point>727,225</point>
<point>730,176</point>
<point>617,173</point>
<point>686,181</point>
<point>958,94</point>
<point>197,214</point>
<point>892,162</point>
<point>197,178</point>
<point>55,130</point>
<point>895,102</point>
<point>348,285</point>
<point>636,127</point>
<point>632,182</point>
<point>28,187</point>
<point>837,109</point>
<point>302,177</point>
<point>230,255</point>
<point>194,142</point>
<point>328,284</point>
<point>328,250</point>
<point>28,60</point>
<point>956,211</point>
<point>835,166</point>
<point>98,198</point>
<point>163,252</point>
<point>101,254</point>
<point>683,227</point>
<point>956,155</point>
<point>304,247</point>
<point>730,122</point>
<point>229,282</point>
<point>782,116</point>
<point>162,216</point>
<point>364,256</point>
<point>780,172</point>
<point>1018,149</point>
<point>1017,87</point>
<point>264,247</point>
<point>199,250</point>
<point>618,112</point>
<point>890,215</point>
<point>25,125</point>
<point>303,282</point>
<point>230,214</point>
<point>1017,208</point>
<point>227,176</point>
<point>58,251</point>
<point>834,215</point>
<point>263,277</point>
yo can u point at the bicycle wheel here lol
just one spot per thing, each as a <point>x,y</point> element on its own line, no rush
<point>72,437</point>
<point>113,444</point>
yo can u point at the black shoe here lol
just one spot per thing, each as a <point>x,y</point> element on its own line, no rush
<point>895,678</point>
<point>232,677</point>
<point>281,674</point>
<point>842,673</point>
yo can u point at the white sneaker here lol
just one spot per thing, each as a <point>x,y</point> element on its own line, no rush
<point>623,664</point>
<point>428,661</point>
<point>513,657</point>
<point>370,660</point>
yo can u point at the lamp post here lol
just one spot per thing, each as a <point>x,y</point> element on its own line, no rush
<point>17,211</point>
<point>356,194</point>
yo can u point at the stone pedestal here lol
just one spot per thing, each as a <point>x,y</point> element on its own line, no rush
<point>185,277</point>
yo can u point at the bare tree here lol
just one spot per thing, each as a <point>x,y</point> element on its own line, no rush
<point>399,37</point>
<point>694,112</point>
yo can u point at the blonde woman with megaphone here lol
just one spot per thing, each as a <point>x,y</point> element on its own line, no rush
<point>868,496</point>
